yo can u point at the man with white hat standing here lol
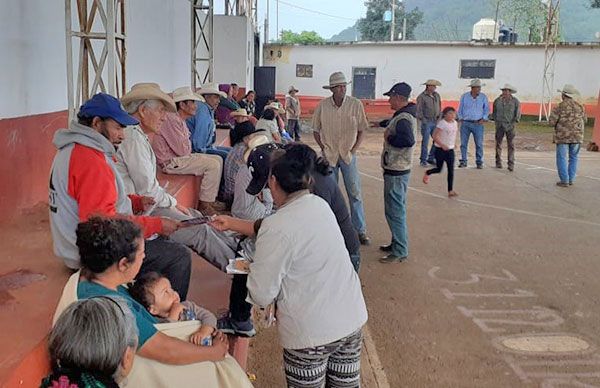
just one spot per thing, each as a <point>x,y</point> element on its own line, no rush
<point>506,114</point>
<point>472,113</point>
<point>338,123</point>
<point>292,112</point>
<point>568,119</point>
<point>429,108</point>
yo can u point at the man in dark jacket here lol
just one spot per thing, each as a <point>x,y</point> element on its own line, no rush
<point>396,160</point>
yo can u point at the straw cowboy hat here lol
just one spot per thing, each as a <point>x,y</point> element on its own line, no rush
<point>432,82</point>
<point>509,87</point>
<point>276,106</point>
<point>476,83</point>
<point>255,142</point>
<point>335,79</point>
<point>239,112</point>
<point>211,88</point>
<point>569,90</point>
<point>185,93</point>
<point>292,89</point>
<point>149,91</point>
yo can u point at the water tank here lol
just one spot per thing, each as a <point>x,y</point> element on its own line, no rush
<point>486,29</point>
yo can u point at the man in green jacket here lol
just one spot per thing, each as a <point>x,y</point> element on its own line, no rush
<point>506,114</point>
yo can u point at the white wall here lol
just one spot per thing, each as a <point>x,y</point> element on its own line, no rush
<point>233,50</point>
<point>33,54</point>
<point>414,63</point>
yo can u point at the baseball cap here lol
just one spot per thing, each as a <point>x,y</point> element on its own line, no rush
<point>107,107</point>
<point>399,89</point>
<point>259,163</point>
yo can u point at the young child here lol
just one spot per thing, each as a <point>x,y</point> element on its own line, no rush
<point>444,138</point>
<point>154,292</point>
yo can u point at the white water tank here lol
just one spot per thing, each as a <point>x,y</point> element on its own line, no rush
<point>486,29</point>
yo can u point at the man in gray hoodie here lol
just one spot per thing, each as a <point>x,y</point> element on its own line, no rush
<point>84,182</point>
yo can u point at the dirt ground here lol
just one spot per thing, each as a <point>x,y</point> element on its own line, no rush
<point>513,258</point>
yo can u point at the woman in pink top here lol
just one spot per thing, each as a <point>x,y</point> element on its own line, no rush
<point>444,138</point>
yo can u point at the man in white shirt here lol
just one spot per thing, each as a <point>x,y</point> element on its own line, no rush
<point>338,124</point>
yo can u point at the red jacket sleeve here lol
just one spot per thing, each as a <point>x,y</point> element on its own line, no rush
<point>92,185</point>
<point>136,203</point>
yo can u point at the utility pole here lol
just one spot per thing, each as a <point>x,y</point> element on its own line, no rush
<point>267,25</point>
<point>277,23</point>
<point>393,26</point>
<point>496,19</point>
<point>404,29</point>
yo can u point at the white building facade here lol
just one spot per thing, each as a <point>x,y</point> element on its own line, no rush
<point>375,67</point>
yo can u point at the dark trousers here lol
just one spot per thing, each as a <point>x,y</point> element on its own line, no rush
<point>294,128</point>
<point>171,259</point>
<point>508,130</point>
<point>239,309</point>
<point>442,156</point>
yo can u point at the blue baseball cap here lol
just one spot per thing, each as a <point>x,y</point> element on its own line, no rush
<point>107,107</point>
<point>399,89</point>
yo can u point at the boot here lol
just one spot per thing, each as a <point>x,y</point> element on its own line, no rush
<point>206,208</point>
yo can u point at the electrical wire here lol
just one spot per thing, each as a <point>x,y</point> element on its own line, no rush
<point>317,12</point>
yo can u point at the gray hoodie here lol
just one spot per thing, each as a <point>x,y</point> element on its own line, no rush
<point>66,168</point>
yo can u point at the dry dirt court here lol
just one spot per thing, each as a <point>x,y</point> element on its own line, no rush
<point>501,288</point>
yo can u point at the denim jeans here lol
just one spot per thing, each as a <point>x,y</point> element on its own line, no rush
<point>567,156</point>
<point>219,150</point>
<point>353,189</point>
<point>294,128</point>
<point>355,260</point>
<point>427,128</point>
<point>466,129</point>
<point>394,194</point>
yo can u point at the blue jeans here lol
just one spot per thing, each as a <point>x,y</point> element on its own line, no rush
<point>394,195</point>
<point>567,170</point>
<point>427,128</point>
<point>353,189</point>
<point>355,260</point>
<point>466,129</point>
<point>219,150</point>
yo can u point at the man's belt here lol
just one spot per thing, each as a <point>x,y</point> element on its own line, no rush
<point>473,121</point>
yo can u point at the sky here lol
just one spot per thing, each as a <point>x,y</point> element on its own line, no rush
<point>297,20</point>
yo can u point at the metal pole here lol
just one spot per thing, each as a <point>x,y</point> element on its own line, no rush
<point>404,29</point>
<point>393,25</point>
<point>277,23</point>
<point>111,48</point>
<point>69,43</point>
<point>496,19</point>
<point>193,44</point>
<point>267,24</point>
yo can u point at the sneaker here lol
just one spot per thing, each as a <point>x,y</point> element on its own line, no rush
<point>562,184</point>
<point>426,179</point>
<point>424,164</point>
<point>237,328</point>
<point>462,165</point>
<point>431,161</point>
<point>452,194</point>
<point>570,183</point>
<point>386,248</point>
<point>480,166</point>
<point>364,239</point>
<point>391,258</point>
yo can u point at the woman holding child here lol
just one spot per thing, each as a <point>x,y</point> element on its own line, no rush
<point>302,265</point>
<point>112,251</point>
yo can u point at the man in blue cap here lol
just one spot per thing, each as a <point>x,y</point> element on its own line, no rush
<point>396,160</point>
<point>84,182</point>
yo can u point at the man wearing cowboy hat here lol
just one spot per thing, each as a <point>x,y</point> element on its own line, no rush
<point>472,113</point>
<point>338,124</point>
<point>506,114</point>
<point>202,125</point>
<point>292,112</point>
<point>84,181</point>
<point>174,155</point>
<point>429,108</point>
<point>568,119</point>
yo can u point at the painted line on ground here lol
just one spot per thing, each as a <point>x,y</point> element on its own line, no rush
<point>373,360</point>
<point>496,207</point>
<point>536,167</point>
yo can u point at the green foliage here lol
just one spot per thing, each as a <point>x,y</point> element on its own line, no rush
<point>595,3</point>
<point>305,37</point>
<point>373,28</point>
<point>526,17</point>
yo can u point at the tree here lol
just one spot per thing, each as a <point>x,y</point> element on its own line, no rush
<point>524,16</point>
<point>595,3</point>
<point>373,28</point>
<point>305,37</point>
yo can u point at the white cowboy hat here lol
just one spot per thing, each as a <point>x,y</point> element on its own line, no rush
<point>432,82</point>
<point>476,83</point>
<point>569,90</point>
<point>275,106</point>
<point>211,88</point>
<point>239,112</point>
<point>149,91</point>
<point>256,141</point>
<point>185,93</point>
<point>509,87</point>
<point>335,79</point>
<point>292,89</point>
